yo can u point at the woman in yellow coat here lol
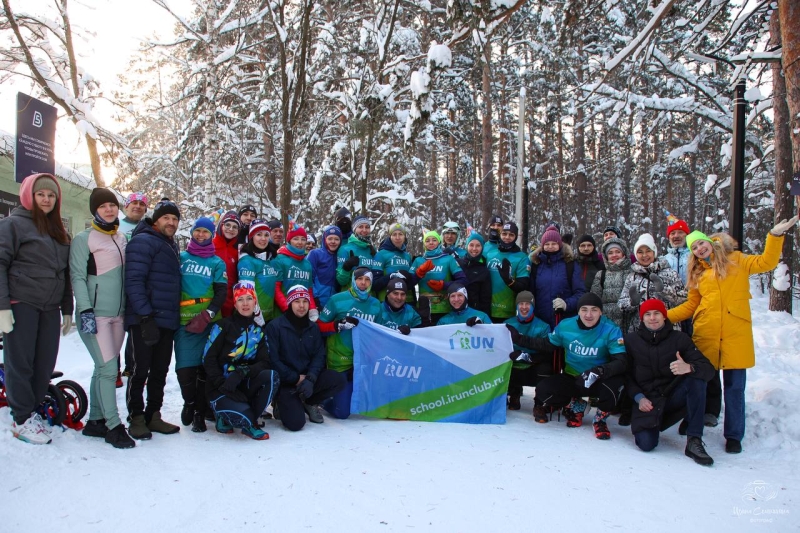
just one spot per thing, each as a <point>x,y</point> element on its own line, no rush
<point>719,304</point>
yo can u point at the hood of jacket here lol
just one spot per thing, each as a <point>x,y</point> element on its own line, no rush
<point>26,190</point>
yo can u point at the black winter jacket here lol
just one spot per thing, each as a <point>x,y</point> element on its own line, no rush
<point>234,343</point>
<point>478,284</point>
<point>293,352</point>
<point>589,266</point>
<point>152,278</point>
<point>34,268</point>
<point>650,354</point>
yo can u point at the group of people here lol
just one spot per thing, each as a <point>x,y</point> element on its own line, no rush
<point>257,316</point>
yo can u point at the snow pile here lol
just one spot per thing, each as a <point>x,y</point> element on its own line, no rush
<point>377,475</point>
<point>439,55</point>
<point>781,278</point>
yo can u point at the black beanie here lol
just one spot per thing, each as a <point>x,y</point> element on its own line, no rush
<point>591,299</point>
<point>587,238</point>
<point>511,227</point>
<point>166,207</point>
<point>100,196</point>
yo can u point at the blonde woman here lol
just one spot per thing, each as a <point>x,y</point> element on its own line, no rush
<point>718,302</point>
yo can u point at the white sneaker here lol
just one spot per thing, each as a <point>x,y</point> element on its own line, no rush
<point>32,431</point>
<point>45,425</point>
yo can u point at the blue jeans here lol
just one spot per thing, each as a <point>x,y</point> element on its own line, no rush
<point>689,394</point>
<point>734,382</point>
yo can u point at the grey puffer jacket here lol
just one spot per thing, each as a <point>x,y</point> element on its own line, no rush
<point>34,268</point>
<point>608,285</point>
<point>674,292</point>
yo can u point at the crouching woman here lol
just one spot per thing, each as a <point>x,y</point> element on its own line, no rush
<point>239,382</point>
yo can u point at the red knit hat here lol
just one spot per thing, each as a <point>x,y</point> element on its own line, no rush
<point>653,304</point>
<point>299,231</point>
<point>551,234</point>
<point>674,223</point>
<point>295,292</point>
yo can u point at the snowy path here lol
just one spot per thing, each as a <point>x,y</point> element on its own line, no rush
<point>368,475</point>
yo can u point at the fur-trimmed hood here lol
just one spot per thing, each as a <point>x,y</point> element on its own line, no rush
<point>566,253</point>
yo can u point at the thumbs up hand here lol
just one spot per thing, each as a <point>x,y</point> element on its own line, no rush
<point>680,367</point>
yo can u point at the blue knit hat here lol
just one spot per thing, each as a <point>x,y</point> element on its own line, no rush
<point>360,219</point>
<point>476,237</point>
<point>204,223</point>
<point>331,230</point>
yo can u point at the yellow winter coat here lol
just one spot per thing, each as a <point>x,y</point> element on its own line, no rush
<point>720,308</point>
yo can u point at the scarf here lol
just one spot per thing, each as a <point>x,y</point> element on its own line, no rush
<point>205,249</point>
<point>109,228</point>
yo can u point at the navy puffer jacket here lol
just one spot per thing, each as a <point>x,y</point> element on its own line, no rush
<point>549,281</point>
<point>152,278</point>
<point>293,352</point>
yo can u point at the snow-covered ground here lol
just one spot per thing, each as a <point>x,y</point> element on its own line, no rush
<point>374,475</point>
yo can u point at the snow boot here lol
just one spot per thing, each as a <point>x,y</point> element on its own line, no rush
<point>513,402</point>
<point>222,426</point>
<point>710,421</point>
<point>95,428</point>
<point>187,413</point>
<point>199,423</point>
<point>157,425</point>
<point>540,413</point>
<point>314,413</point>
<point>255,433</point>
<point>119,438</point>
<point>733,446</point>
<point>625,418</point>
<point>600,426</point>
<point>695,450</point>
<point>138,429</point>
<point>574,413</point>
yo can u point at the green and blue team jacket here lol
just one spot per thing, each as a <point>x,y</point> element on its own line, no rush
<point>407,315</point>
<point>503,298</point>
<point>198,276</point>
<point>263,276</point>
<point>533,328</point>
<point>587,348</point>
<point>445,268</point>
<point>360,249</point>
<point>340,344</point>
<point>461,317</point>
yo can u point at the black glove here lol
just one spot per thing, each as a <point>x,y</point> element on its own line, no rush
<point>471,321</point>
<point>232,381</point>
<point>515,335</point>
<point>405,273</point>
<point>404,329</point>
<point>150,332</point>
<point>636,298</point>
<point>513,355</point>
<point>588,377</point>
<point>657,282</point>
<point>348,322</point>
<point>505,271</point>
<point>305,389</point>
<point>351,262</point>
<point>424,308</point>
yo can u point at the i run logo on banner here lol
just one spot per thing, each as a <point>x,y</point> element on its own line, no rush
<point>438,374</point>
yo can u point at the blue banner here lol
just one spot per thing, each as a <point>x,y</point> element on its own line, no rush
<point>439,374</point>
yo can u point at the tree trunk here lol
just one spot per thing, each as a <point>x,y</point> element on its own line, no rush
<point>784,202</point>
<point>452,154</point>
<point>487,176</point>
<point>789,12</point>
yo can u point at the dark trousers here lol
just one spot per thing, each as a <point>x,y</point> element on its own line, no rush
<point>714,395</point>
<point>129,353</point>
<point>688,397</point>
<point>258,390</point>
<point>192,380</point>
<point>150,366</point>
<point>290,406</point>
<point>339,405</point>
<point>29,356</point>
<point>557,391</point>
<point>528,377</point>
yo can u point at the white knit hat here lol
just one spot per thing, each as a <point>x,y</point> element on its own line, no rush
<point>646,240</point>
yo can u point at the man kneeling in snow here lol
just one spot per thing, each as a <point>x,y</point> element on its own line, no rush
<point>667,378</point>
<point>595,366</point>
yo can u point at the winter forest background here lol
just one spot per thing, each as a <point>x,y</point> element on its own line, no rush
<point>407,109</point>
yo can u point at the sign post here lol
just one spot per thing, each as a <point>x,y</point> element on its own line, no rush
<point>34,151</point>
